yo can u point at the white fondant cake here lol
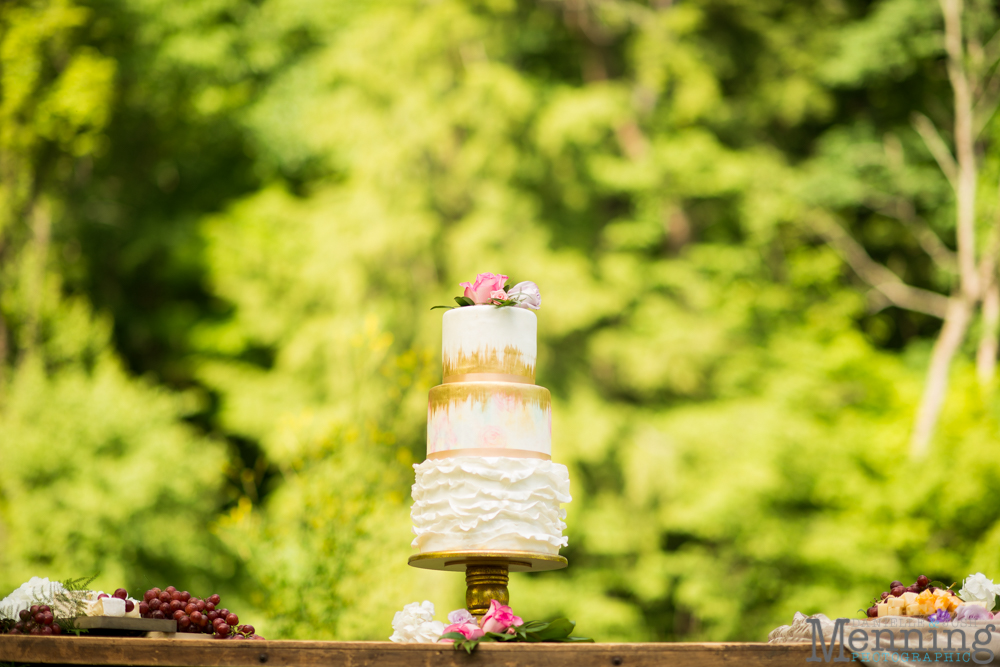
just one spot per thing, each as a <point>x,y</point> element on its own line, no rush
<point>488,481</point>
<point>485,340</point>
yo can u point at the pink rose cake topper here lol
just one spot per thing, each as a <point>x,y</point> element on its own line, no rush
<point>489,290</point>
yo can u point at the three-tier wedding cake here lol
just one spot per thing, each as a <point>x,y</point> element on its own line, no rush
<point>489,482</point>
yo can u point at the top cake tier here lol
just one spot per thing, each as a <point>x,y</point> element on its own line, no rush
<point>490,344</point>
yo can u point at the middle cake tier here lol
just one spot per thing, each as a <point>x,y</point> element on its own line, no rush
<point>489,419</point>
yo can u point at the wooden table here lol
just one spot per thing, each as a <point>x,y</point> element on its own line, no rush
<point>211,652</point>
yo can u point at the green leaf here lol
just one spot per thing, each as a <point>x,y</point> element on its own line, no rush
<point>445,307</point>
<point>464,301</point>
<point>457,636</point>
<point>560,628</point>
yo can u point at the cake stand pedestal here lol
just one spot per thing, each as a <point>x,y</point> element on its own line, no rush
<point>486,572</point>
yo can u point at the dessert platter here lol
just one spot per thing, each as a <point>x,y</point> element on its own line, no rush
<point>52,608</point>
<point>924,621</point>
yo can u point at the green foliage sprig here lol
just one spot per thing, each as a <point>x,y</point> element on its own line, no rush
<point>558,630</point>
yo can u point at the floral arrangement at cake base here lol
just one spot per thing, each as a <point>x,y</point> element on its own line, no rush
<point>415,623</point>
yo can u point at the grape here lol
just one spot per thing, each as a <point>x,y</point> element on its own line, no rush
<point>176,595</point>
<point>209,606</point>
<point>237,636</point>
<point>922,581</point>
<point>143,608</point>
<point>48,618</point>
<point>170,589</point>
<point>120,593</point>
<point>896,583</point>
<point>165,597</point>
<point>184,622</point>
<point>195,617</point>
<point>56,629</point>
<point>222,630</point>
<point>129,606</point>
<point>19,625</point>
<point>35,631</point>
<point>44,608</point>
<point>872,611</point>
<point>202,606</point>
<point>223,612</point>
<point>177,614</point>
<point>232,620</point>
<point>25,614</point>
<point>212,615</point>
<point>249,629</point>
<point>39,618</point>
<point>190,608</point>
<point>175,605</point>
<point>214,598</point>
<point>185,596</point>
<point>885,594</point>
<point>34,609</point>
<point>897,591</point>
<point>46,630</point>
<point>154,604</point>
<point>150,594</point>
<point>158,614</point>
<point>102,596</point>
<point>15,631</point>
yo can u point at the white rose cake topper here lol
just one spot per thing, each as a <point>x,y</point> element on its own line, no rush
<point>489,290</point>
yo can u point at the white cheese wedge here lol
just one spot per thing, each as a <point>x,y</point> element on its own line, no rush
<point>114,607</point>
<point>883,609</point>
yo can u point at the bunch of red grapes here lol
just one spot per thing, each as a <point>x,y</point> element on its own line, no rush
<point>39,620</point>
<point>193,614</point>
<point>896,589</point>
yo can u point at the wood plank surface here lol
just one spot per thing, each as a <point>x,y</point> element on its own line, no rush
<point>212,653</point>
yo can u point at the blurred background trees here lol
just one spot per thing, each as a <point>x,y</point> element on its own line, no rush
<point>222,225</point>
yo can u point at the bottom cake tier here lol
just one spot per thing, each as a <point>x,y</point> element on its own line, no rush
<point>465,503</point>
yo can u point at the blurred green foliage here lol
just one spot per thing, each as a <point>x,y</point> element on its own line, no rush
<point>222,225</point>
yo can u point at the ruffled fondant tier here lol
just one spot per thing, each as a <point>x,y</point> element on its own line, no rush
<point>476,503</point>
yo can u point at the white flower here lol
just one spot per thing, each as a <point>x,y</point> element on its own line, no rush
<point>460,616</point>
<point>977,588</point>
<point>416,624</point>
<point>34,591</point>
<point>526,295</point>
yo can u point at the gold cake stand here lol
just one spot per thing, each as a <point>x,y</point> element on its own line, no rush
<point>486,572</point>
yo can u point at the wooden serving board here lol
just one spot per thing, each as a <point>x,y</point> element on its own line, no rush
<point>110,625</point>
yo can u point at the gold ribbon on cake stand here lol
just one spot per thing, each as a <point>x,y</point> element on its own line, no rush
<point>486,572</point>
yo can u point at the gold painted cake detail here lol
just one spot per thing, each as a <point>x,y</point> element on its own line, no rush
<point>509,361</point>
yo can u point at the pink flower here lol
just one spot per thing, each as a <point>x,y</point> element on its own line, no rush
<point>499,295</point>
<point>467,630</point>
<point>486,284</point>
<point>499,618</point>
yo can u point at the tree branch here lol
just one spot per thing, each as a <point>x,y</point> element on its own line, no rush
<point>965,190</point>
<point>956,322</point>
<point>938,148</point>
<point>879,277</point>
